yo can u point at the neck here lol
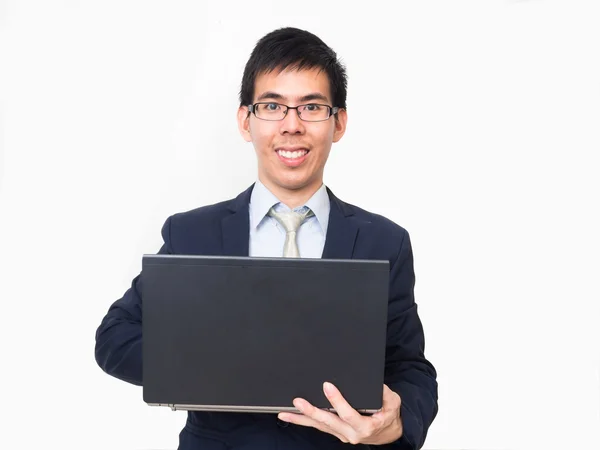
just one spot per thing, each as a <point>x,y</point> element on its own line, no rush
<point>293,198</point>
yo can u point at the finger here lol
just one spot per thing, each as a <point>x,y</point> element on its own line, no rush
<point>391,400</point>
<point>328,419</point>
<point>390,408</point>
<point>305,421</point>
<point>343,409</point>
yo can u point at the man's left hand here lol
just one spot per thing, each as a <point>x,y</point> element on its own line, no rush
<point>348,425</point>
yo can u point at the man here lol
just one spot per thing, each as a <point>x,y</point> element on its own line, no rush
<point>292,108</point>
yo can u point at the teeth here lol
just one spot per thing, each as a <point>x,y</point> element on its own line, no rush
<point>292,155</point>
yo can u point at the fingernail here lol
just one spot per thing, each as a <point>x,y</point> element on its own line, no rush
<point>283,417</point>
<point>328,388</point>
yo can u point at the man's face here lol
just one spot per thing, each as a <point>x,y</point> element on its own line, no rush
<point>292,153</point>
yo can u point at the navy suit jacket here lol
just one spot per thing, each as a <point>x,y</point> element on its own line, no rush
<point>224,229</point>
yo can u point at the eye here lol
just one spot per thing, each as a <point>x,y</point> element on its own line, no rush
<point>272,106</point>
<point>312,107</point>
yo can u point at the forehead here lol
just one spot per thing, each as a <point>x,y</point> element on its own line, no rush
<point>293,84</point>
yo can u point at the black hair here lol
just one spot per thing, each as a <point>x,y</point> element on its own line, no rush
<point>292,48</point>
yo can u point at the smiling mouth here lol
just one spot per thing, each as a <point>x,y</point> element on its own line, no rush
<point>296,154</point>
<point>292,157</point>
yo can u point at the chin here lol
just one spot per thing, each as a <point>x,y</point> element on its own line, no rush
<point>293,185</point>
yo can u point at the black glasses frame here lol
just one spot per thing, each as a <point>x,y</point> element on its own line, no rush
<point>332,111</point>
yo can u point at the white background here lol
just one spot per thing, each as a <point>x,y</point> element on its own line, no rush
<point>473,124</point>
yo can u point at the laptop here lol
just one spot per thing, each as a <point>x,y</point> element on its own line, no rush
<point>250,334</point>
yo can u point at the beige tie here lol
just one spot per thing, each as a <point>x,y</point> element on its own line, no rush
<point>290,221</point>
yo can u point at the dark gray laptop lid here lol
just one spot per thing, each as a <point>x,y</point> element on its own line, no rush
<point>251,334</point>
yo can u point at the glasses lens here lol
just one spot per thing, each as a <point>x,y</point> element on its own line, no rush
<point>270,111</point>
<point>314,112</point>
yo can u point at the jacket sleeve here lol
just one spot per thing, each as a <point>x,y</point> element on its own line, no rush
<point>407,371</point>
<point>119,336</point>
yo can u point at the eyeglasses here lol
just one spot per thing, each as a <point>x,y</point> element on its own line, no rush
<point>312,112</point>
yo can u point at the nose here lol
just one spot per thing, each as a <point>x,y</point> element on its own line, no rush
<point>292,124</point>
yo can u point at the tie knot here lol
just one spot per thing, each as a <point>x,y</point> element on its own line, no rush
<point>290,220</point>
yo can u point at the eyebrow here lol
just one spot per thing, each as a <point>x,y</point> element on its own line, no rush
<point>304,98</point>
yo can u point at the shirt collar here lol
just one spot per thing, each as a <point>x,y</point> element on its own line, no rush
<point>262,200</point>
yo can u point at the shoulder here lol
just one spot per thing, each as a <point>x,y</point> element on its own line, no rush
<point>196,230</point>
<point>200,217</point>
<point>375,222</point>
<point>378,236</point>
<point>211,214</point>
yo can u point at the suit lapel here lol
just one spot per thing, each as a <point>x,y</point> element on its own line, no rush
<point>235,228</point>
<point>341,231</point>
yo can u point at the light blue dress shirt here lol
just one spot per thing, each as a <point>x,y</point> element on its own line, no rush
<point>267,236</point>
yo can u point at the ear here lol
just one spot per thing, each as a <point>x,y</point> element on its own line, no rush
<point>340,120</point>
<point>243,119</point>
